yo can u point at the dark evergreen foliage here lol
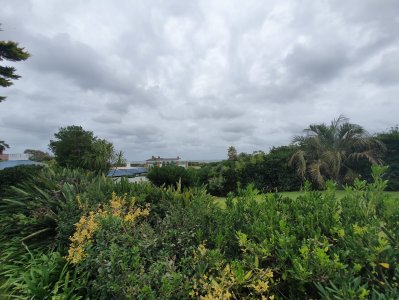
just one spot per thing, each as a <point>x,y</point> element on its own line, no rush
<point>391,156</point>
<point>12,52</point>
<point>78,148</point>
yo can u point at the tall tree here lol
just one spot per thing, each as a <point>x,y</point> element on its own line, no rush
<point>101,156</point>
<point>326,150</point>
<point>78,148</point>
<point>12,52</point>
<point>232,153</point>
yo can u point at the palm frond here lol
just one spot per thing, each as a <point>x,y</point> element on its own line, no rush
<point>371,155</point>
<point>326,148</point>
<point>314,170</point>
<point>298,160</point>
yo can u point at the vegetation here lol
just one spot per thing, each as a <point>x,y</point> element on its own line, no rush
<point>232,153</point>
<point>73,233</point>
<point>68,234</point>
<point>268,172</point>
<point>15,176</point>
<point>391,156</point>
<point>37,155</point>
<point>170,175</point>
<point>326,151</point>
<point>78,148</point>
<point>12,52</point>
<point>3,146</point>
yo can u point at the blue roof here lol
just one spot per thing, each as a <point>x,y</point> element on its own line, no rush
<point>15,163</point>
<point>127,172</point>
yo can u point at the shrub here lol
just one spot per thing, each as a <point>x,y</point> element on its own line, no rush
<point>16,175</point>
<point>268,172</point>
<point>35,275</point>
<point>170,175</point>
<point>391,156</point>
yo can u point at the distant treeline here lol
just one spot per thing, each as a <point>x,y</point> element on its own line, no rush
<point>270,172</point>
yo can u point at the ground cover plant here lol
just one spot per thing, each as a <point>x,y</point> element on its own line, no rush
<point>72,234</point>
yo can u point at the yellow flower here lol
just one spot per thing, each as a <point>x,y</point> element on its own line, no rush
<point>87,226</point>
<point>384,265</point>
<point>202,249</point>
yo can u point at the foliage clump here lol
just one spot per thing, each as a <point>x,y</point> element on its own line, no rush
<point>75,147</point>
<point>119,207</point>
<point>325,151</point>
<point>15,176</point>
<point>10,51</point>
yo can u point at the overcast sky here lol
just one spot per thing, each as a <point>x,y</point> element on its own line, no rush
<point>191,78</point>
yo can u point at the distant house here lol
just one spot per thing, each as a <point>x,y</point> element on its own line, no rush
<point>161,162</point>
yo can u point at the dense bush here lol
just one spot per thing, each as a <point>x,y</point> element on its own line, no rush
<point>170,175</point>
<point>124,241</point>
<point>267,172</point>
<point>16,175</point>
<point>391,156</point>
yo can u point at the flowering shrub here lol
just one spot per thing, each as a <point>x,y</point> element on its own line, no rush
<point>118,207</point>
<point>230,281</point>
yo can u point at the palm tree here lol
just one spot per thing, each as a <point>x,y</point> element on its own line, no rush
<point>326,150</point>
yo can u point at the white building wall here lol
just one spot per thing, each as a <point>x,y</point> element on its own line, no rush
<point>18,156</point>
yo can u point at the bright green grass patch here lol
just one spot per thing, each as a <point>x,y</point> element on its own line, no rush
<point>221,201</point>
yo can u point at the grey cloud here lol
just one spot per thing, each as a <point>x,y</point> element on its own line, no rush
<point>379,14</point>
<point>86,68</point>
<point>215,109</point>
<point>386,73</point>
<point>138,133</point>
<point>107,119</point>
<point>29,125</point>
<point>191,78</point>
<point>73,59</point>
<point>232,137</point>
<point>239,128</point>
<point>317,63</point>
<point>138,97</point>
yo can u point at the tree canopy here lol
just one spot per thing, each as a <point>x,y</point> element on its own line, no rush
<point>326,150</point>
<point>78,148</point>
<point>3,146</point>
<point>12,52</point>
<point>37,155</point>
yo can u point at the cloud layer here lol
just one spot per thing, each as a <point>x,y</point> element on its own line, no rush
<point>191,78</point>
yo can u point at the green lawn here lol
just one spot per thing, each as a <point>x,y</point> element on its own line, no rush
<point>340,194</point>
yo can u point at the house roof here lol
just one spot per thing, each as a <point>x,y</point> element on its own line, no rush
<point>15,163</point>
<point>127,172</point>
